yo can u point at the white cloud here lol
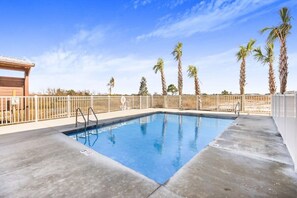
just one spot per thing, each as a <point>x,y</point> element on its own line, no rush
<point>175,3</point>
<point>208,16</point>
<point>164,3</point>
<point>93,36</point>
<point>73,70</point>
<point>138,3</point>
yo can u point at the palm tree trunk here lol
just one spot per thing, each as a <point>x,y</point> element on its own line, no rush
<point>272,87</point>
<point>180,78</point>
<point>197,91</point>
<point>163,83</point>
<point>197,87</point>
<point>283,67</point>
<point>242,76</point>
<point>180,83</point>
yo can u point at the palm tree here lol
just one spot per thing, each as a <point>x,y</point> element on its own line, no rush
<point>172,88</point>
<point>177,53</point>
<point>193,73</point>
<point>281,32</point>
<point>160,67</point>
<point>267,59</point>
<point>111,84</point>
<point>242,54</point>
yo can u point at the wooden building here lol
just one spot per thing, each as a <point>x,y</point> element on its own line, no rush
<point>10,86</point>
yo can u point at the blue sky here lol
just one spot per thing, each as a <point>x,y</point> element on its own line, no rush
<point>78,44</point>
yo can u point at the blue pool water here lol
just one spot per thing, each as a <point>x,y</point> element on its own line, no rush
<point>156,145</point>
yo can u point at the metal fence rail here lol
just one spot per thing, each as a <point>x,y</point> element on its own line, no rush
<point>284,112</point>
<point>33,108</point>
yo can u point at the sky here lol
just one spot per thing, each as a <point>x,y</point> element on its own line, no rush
<point>79,44</point>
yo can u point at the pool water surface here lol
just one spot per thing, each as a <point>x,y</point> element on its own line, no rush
<point>157,145</point>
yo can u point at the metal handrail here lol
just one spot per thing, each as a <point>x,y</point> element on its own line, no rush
<point>237,108</point>
<point>92,110</point>
<point>76,115</point>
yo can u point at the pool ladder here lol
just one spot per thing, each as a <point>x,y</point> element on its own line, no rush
<point>86,122</point>
<point>237,108</point>
<point>90,109</point>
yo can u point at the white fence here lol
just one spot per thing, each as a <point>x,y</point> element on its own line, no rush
<point>284,112</point>
<point>33,108</point>
<point>21,109</point>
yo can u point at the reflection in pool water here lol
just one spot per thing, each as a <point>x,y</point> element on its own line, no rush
<point>156,145</point>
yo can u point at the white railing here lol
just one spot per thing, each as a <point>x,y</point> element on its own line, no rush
<point>34,108</point>
<point>284,112</point>
<point>21,109</point>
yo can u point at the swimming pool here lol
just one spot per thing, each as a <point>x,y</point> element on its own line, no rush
<point>156,145</point>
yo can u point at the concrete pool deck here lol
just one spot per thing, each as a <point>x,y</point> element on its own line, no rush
<point>249,159</point>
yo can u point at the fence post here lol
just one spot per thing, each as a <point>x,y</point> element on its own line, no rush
<point>68,106</point>
<point>165,101</point>
<point>279,107</point>
<point>295,143</point>
<point>272,100</point>
<point>218,102</point>
<point>295,105</point>
<point>197,102</point>
<point>285,119</point>
<point>179,101</point>
<point>271,106</point>
<point>108,97</point>
<point>92,101</point>
<point>133,102</point>
<point>139,102</point>
<point>147,106</point>
<point>152,101</point>
<point>36,108</point>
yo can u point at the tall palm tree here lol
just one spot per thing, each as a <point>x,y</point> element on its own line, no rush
<point>177,53</point>
<point>281,33</point>
<point>111,84</point>
<point>242,54</point>
<point>160,67</point>
<point>193,73</point>
<point>267,59</point>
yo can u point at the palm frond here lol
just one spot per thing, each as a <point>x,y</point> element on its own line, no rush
<point>177,51</point>
<point>159,66</point>
<point>269,52</point>
<point>266,29</point>
<point>273,35</point>
<point>156,68</point>
<point>192,71</point>
<point>284,29</point>
<point>250,45</point>
<point>285,15</point>
<point>241,53</point>
<point>259,56</point>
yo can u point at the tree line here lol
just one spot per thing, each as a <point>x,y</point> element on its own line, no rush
<point>278,33</point>
<point>265,56</point>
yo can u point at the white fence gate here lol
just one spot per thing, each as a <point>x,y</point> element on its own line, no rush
<point>284,112</point>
